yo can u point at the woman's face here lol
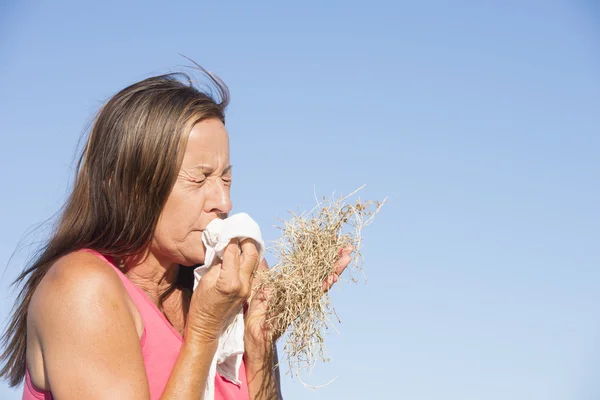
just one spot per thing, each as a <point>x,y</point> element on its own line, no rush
<point>201,194</point>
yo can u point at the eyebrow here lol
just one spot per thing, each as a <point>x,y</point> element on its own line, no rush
<point>205,169</point>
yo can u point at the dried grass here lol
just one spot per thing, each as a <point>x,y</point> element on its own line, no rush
<point>306,253</point>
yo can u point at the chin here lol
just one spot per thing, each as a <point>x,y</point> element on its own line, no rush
<point>192,265</point>
<point>194,258</point>
<point>190,251</point>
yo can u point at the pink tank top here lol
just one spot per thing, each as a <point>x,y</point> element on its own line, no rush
<point>160,345</point>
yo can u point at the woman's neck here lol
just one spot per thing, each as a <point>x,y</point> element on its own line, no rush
<point>151,275</point>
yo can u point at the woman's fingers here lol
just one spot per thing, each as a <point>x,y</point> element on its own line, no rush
<point>343,260</point>
<point>261,267</point>
<point>230,268</point>
<point>249,261</point>
<point>340,265</point>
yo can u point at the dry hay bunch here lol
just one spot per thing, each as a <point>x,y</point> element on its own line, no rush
<point>306,253</point>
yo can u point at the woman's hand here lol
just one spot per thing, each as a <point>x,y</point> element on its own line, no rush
<point>222,291</point>
<point>256,334</point>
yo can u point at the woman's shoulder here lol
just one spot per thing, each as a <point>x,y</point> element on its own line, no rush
<point>79,272</point>
<point>79,316</point>
<point>75,281</point>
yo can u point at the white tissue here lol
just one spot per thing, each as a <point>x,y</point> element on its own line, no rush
<point>230,352</point>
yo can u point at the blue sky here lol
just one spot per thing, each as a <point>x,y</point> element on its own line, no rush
<point>479,120</point>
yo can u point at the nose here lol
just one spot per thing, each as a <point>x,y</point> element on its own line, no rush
<point>218,199</point>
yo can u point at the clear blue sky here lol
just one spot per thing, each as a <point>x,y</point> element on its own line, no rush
<point>481,123</point>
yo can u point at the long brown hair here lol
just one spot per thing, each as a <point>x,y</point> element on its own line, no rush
<point>123,178</point>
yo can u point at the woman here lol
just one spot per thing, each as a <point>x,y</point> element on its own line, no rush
<point>106,310</point>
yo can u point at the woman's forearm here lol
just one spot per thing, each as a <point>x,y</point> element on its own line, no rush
<point>263,378</point>
<point>261,383</point>
<point>190,374</point>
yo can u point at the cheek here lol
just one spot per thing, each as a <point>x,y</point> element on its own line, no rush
<point>177,235</point>
<point>189,210</point>
<point>180,218</point>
